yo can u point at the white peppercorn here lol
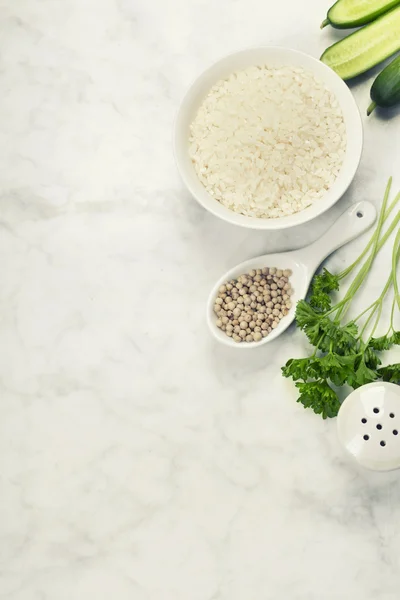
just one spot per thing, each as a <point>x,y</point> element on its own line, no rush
<point>249,307</point>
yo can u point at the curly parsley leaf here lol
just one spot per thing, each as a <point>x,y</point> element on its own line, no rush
<point>385,342</point>
<point>363,374</point>
<point>320,397</point>
<point>322,285</point>
<point>339,339</point>
<point>390,373</point>
<point>301,368</point>
<point>371,359</point>
<point>339,369</point>
<point>309,321</point>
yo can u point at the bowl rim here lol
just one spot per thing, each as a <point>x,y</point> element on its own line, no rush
<point>309,213</point>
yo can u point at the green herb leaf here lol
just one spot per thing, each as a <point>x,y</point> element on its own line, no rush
<point>385,342</point>
<point>325,282</point>
<point>371,359</point>
<point>301,368</point>
<point>338,339</point>
<point>380,343</point>
<point>337,368</point>
<point>390,373</point>
<point>320,397</point>
<point>322,285</point>
<point>309,321</point>
<point>364,375</point>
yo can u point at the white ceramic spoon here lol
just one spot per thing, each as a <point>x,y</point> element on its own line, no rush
<point>303,263</point>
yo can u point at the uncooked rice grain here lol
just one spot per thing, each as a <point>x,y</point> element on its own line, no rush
<point>267,142</point>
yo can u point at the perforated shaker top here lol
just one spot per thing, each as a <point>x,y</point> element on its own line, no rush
<point>369,426</point>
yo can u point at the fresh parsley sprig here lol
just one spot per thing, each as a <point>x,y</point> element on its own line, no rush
<point>346,352</point>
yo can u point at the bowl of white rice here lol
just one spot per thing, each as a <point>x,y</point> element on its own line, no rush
<point>268,138</point>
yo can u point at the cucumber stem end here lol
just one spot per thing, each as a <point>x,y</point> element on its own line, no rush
<point>371,108</point>
<point>324,23</point>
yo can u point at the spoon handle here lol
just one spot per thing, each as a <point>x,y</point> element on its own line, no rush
<point>352,223</point>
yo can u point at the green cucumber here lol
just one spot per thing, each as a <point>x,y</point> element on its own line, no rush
<point>366,47</point>
<point>385,90</point>
<point>345,14</point>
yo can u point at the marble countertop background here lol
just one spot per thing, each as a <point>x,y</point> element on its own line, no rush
<point>138,459</point>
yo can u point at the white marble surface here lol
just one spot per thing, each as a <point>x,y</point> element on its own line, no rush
<point>138,459</point>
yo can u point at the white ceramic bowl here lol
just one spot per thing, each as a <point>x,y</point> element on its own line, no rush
<point>273,56</point>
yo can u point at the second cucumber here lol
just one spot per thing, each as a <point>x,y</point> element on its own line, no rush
<point>365,48</point>
<point>345,14</point>
<point>385,90</point>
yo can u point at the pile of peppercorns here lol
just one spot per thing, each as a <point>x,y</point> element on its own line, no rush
<point>250,307</point>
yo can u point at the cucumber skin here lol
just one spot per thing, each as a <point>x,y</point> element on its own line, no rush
<point>385,90</point>
<point>374,62</point>
<point>357,22</point>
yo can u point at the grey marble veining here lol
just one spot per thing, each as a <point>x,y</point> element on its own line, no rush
<point>138,459</point>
